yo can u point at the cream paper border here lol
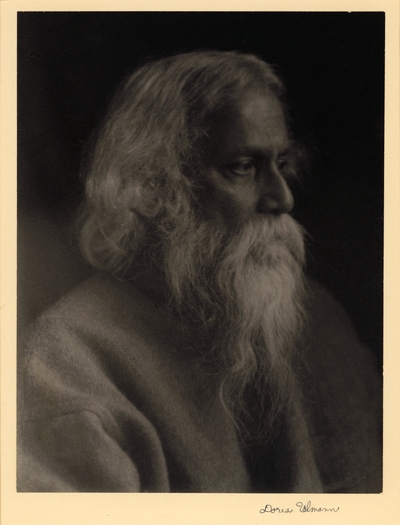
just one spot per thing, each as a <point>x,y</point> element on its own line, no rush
<point>195,509</point>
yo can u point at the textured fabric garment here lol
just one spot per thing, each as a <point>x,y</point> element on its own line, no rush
<point>110,401</point>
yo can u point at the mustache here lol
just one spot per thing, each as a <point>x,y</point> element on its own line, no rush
<point>265,240</point>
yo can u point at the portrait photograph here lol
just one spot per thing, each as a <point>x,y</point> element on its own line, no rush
<point>200,263</point>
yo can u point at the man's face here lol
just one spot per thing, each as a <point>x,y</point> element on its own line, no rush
<point>247,166</point>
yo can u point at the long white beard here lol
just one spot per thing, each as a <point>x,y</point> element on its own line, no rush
<point>240,296</point>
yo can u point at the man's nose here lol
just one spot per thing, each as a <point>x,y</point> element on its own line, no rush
<point>275,194</point>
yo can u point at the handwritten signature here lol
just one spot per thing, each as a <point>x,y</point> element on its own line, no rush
<point>302,507</point>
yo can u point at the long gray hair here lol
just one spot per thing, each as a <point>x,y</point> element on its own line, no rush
<point>139,172</point>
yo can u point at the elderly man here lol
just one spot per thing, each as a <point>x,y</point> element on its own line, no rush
<point>199,358</point>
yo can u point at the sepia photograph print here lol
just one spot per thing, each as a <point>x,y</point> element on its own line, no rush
<point>200,268</point>
<point>200,259</point>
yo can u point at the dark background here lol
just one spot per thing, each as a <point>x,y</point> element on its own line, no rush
<point>69,65</point>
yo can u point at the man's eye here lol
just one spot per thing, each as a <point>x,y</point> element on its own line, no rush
<point>243,168</point>
<point>286,168</point>
<point>282,163</point>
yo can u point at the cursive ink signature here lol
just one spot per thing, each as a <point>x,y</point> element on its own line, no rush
<point>308,508</point>
<point>271,509</point>
<point>302,507</point>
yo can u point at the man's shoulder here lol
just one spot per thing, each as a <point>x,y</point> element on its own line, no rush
<point>101,299</point>
<point>340,370</point>
<point>102,331</point>
<point>101,312</point>
<point>343,396</point>
<point>99,294</point>
<point>341,366</point>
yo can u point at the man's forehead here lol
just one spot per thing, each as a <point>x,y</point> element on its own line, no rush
<point>252,121</point>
